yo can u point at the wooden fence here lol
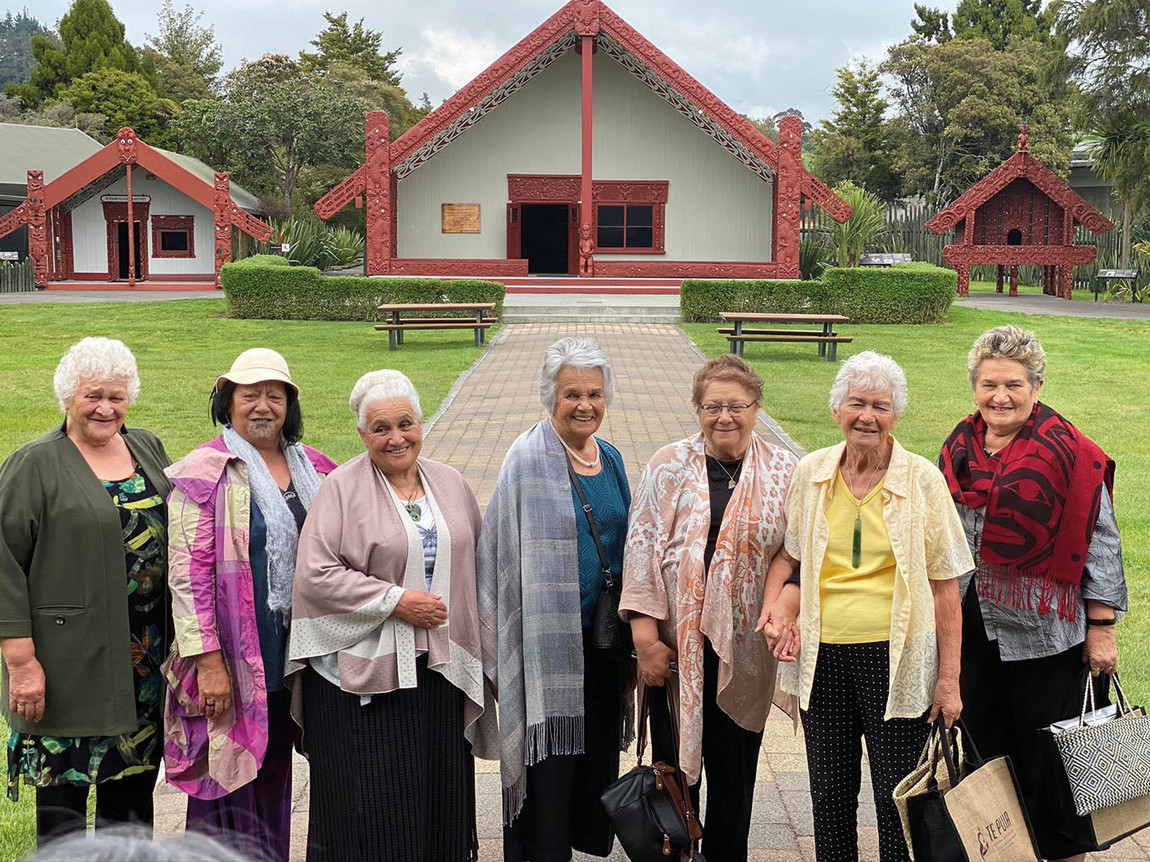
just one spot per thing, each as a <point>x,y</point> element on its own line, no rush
<point>16,277</point>
<point>907,232</point>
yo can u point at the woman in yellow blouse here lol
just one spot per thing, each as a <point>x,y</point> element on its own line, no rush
<point>869,570</point>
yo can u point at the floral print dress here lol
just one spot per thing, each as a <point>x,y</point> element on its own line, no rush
<point>43,761</point>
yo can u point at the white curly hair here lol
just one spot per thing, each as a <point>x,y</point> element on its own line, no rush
<point>98,359</point>
<point>378,386</point>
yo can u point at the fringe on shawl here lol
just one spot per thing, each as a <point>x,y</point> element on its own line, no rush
<point>1003,585</point>
<point>556,734</point>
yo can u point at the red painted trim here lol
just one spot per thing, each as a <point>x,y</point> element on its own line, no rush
<point>162,224</point>
<point>1025,166</point>
<point>192,277</point>
<point>67,244</point>
<point>1020,255</point>
<point>544,281</point>
<point>686,269</point>
<point>377,192</point>
<point>119,211</point>
<point>394,196</point>
<point>543,188</point>
<point>460,267</point>
<point>658,226</point>
<point>586,148</point>
<point>84,284</point>
<point>350,188</point>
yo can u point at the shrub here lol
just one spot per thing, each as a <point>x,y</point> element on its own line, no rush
<point>814,257</point>
<point>344,247</point>
<point>865,227</point>
<point>271,289</point>
<point>904,293</point>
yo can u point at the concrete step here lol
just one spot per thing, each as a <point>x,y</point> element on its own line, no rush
<point>575,308</point>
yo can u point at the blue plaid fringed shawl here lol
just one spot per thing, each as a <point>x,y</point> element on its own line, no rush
<point>527,568</point>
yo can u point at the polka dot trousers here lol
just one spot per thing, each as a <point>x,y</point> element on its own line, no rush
<point>848,699</point>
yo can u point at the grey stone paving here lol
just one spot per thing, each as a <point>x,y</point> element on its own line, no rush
<point>1041,304</point>
<point>494,403</point>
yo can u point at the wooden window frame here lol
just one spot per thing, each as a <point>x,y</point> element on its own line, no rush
<point>171,224</point>
<point>625,249</point>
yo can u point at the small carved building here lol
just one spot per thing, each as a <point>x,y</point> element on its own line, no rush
<point>584,150</point>
<point>130,213</point>
<point>1020,214</point>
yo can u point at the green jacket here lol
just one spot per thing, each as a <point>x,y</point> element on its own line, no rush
<point>63,582</point>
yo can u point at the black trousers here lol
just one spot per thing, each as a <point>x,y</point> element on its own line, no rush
<point>1005,705</point>
<point>562,811</point>
<point>64,807</point>
<point>730,761</point>
<point>848,701</point>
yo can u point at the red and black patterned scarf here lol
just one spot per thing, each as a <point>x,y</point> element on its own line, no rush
<point>1042,494</point>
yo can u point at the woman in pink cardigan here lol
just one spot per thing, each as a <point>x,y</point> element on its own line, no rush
<point>234,515</point>
<point>385,635</point>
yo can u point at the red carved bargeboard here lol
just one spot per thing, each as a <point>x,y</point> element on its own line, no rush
<point>461,267</point>
<point>1020,255</point>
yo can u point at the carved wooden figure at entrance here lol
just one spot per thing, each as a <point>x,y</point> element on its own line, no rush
<point>1020,214</point>
<point>586,248</point>
<point>37,227</point>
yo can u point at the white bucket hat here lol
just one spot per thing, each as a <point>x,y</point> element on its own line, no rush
<point>255,366</point>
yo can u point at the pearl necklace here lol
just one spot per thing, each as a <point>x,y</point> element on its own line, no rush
<point>591,465</point>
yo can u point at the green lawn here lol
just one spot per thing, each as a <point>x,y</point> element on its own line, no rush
<point>181,347</point>
<point>1097,373</point>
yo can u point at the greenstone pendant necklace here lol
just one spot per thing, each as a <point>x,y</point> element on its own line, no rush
<point>856,541</point>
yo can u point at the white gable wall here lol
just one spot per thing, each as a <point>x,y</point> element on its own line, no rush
<point>536,131</point>
<point>90,233</point>
<point>717,209</point>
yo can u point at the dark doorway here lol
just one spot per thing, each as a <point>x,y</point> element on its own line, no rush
<point>1014,237</point>
<point>122,247</point>
<point>545,238</point>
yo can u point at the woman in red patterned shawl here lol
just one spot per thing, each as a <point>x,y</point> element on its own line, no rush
<point>1034,496</point>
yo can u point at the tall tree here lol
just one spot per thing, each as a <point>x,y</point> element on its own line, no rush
<point>16,60</point>
<point>959,105</point>
<point>1109,53</point>
<point>184,53</point>
<point>931,24</point>
<point>124,99</point>
<point>355,45</point>
<point>998,21</point>
<point>272,121</point>
<point>853,143</point>
<point>91,38</point>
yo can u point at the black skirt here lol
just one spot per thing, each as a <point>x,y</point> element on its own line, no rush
<point>561,810</point>
<point>393,780</point>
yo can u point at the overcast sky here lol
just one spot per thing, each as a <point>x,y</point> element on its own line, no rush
<point>760,56</point>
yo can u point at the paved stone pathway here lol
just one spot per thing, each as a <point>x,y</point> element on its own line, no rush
<point>491,405</point>
<point>1041,304</point>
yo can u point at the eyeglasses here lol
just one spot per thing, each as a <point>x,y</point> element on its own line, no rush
<point>735,409</point>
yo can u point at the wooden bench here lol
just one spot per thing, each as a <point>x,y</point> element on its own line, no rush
<point>397,325</point>
<point>826,337</point>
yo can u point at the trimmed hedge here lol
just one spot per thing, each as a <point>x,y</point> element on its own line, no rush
<point>905,293</point>
<point>268,287</point>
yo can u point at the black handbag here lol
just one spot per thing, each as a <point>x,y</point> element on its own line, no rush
<point>609,634</point>
<point>651,814</point>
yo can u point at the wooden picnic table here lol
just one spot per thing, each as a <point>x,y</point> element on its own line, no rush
<point>824,336</point>
<point>398,325</point>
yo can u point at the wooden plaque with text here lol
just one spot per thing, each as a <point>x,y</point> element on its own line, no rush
<point>460,218</point>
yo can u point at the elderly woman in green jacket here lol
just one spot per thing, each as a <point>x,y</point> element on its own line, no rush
<point>83,599</point>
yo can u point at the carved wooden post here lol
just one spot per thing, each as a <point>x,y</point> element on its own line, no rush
<point>963,287</point>
<point>788,197</point>
<point>37,228</point>
<point>377,192</point>
<point>1013,280</point>
<point>587,30</point>
<point>222,232</point>
<point>999,279</point>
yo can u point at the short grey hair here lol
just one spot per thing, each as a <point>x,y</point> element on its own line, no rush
<point>1008,342</point>
<point>871,372</point>
<point>379,386</point>
<point>135,844</point>
<point>575,351</point>
<point>95,358</point>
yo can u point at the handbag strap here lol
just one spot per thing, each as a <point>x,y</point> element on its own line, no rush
<point>641,744</point>
<point>589,512</point>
